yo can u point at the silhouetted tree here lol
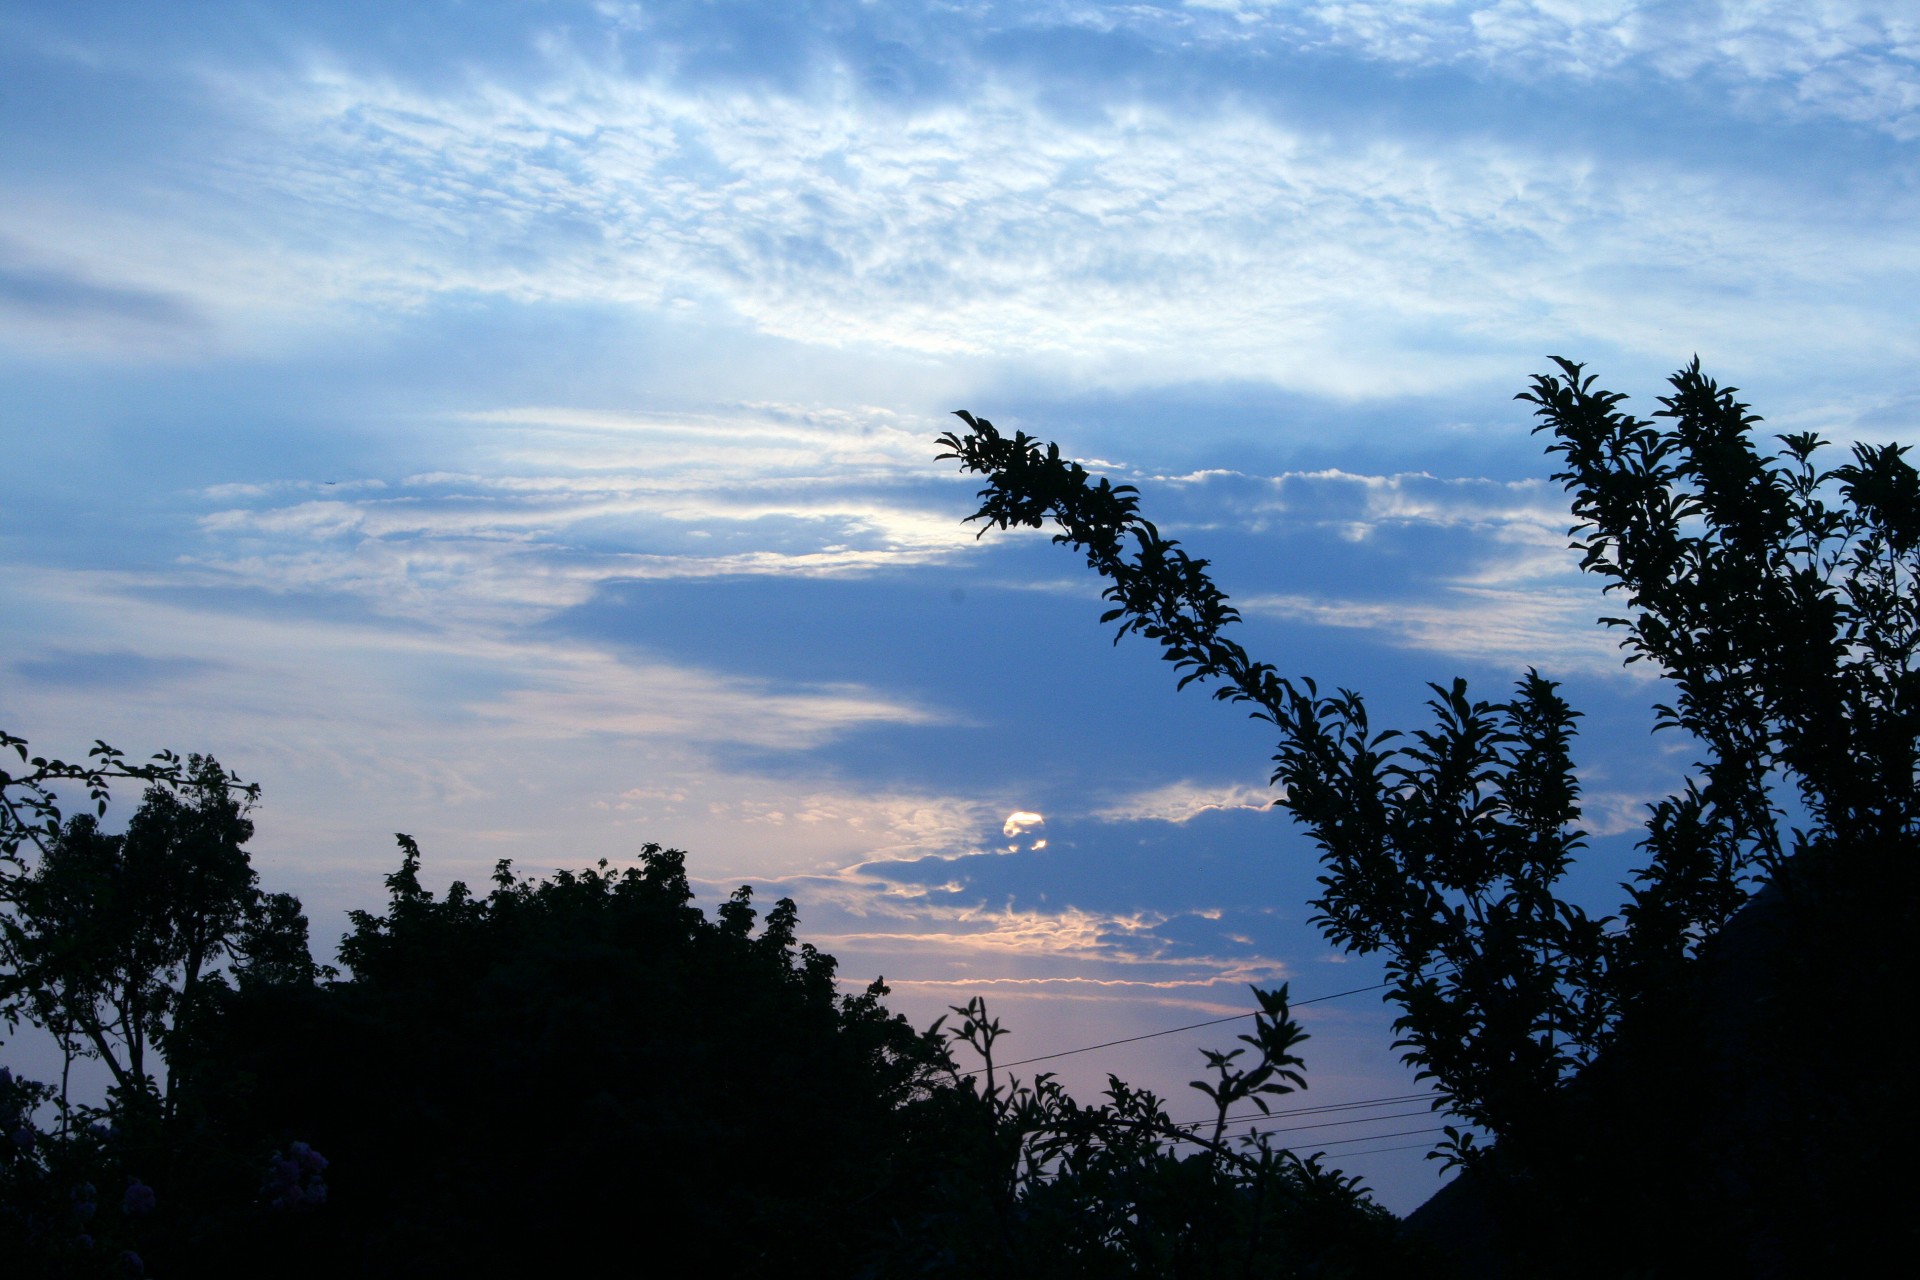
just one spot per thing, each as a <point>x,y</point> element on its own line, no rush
<point>111,943</point>
<point>587,1066</point>
<point>1779,601</point>
<point>110,936</point>
<point>562,1068</point>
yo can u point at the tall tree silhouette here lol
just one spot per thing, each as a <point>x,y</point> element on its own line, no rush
<point>1777,598</point>
<point>110,935</point>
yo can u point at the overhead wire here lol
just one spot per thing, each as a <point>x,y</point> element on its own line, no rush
<point>1382,1101</point>
<point>1338,1142</point>
<point>1380,1151</point>
<point>1170,1031</point>
<point>1236,1121</point>
<point>1195,1026</point>
<point>1257,1117</point>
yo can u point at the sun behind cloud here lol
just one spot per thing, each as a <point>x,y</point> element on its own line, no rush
<point>1021,827</point>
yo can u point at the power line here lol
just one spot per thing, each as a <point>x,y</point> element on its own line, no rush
<point>1256,1117</point>
<point>1382,1101</point>
<point>1342,1142</point>
<point>1374,1137</point>
<point>1380,1151</point>
<point>1388,1100</point>
<point>1324,1124</point>
<point>1195,1026</point>
<point>1170,1031</point>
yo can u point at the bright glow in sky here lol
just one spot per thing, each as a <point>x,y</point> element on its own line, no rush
<point>512,424</point>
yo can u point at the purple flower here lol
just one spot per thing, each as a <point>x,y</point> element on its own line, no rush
<point>83,1201</point>
<point>282,1187</point>
<point>131,1264</point>
<point>138,1200</point>
<point>84,1240</point>
<point>22,1137</point>
<point>294,1179</point>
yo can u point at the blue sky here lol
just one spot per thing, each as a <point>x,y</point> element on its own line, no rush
<point>512,424</point>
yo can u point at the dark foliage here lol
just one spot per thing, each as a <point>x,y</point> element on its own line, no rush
<point>569,1071</point>
<point>1038,1185</point>
<point>109,943</point>
<point>1648,1084</point>
<point>570,1074</point>
<point>588,1067</point>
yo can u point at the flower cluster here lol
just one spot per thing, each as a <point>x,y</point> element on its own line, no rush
<point>293,1180</point>
<point>138,1200</point>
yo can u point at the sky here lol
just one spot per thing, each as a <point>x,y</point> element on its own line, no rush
<point>513,424</point>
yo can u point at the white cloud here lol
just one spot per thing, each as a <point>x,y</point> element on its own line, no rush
<point>294,669</point>
<point>1522,512</point>
<point>1855,60</point>
<point>1608,813</point>
<point>976,944</point>
<point>1183,801</point>
<point>880,825</point>
<point>1138,242</point>
<point>564,501</point>
<point>1548,628</point>
<point>1022,822</point>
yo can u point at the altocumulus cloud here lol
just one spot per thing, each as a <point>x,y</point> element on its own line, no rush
<point>918,181</point>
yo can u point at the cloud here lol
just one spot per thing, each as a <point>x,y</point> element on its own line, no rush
<point>1468,566</point>
<point>1180,802</point>
<point>996,231</point>
<point>1852,60</point>
<point>882,824</point>
<point>510,686</point>
<point>1357,507</point>
<point>971,944</point>
<point>561,502</point>
<point>109,669</point>
<point>1153,231</point>
<point>1020,823</point>
<point>52,309</point>
<point>1552,629</point>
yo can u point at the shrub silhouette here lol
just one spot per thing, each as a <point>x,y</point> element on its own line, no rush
<point>563,1067</point>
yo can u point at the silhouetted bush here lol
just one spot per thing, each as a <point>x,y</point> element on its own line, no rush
<point>578,1069</point>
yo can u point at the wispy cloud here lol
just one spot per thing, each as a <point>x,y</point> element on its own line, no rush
<point>1855,60</point>
<point>1144,235</point>
<point>571,500</point>
<point>52,309</point>
<point>1155,234</point>
<point>1184,801</point>
<point>1551,628</point>
<point>966,944</point>
<point>297,671</point>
